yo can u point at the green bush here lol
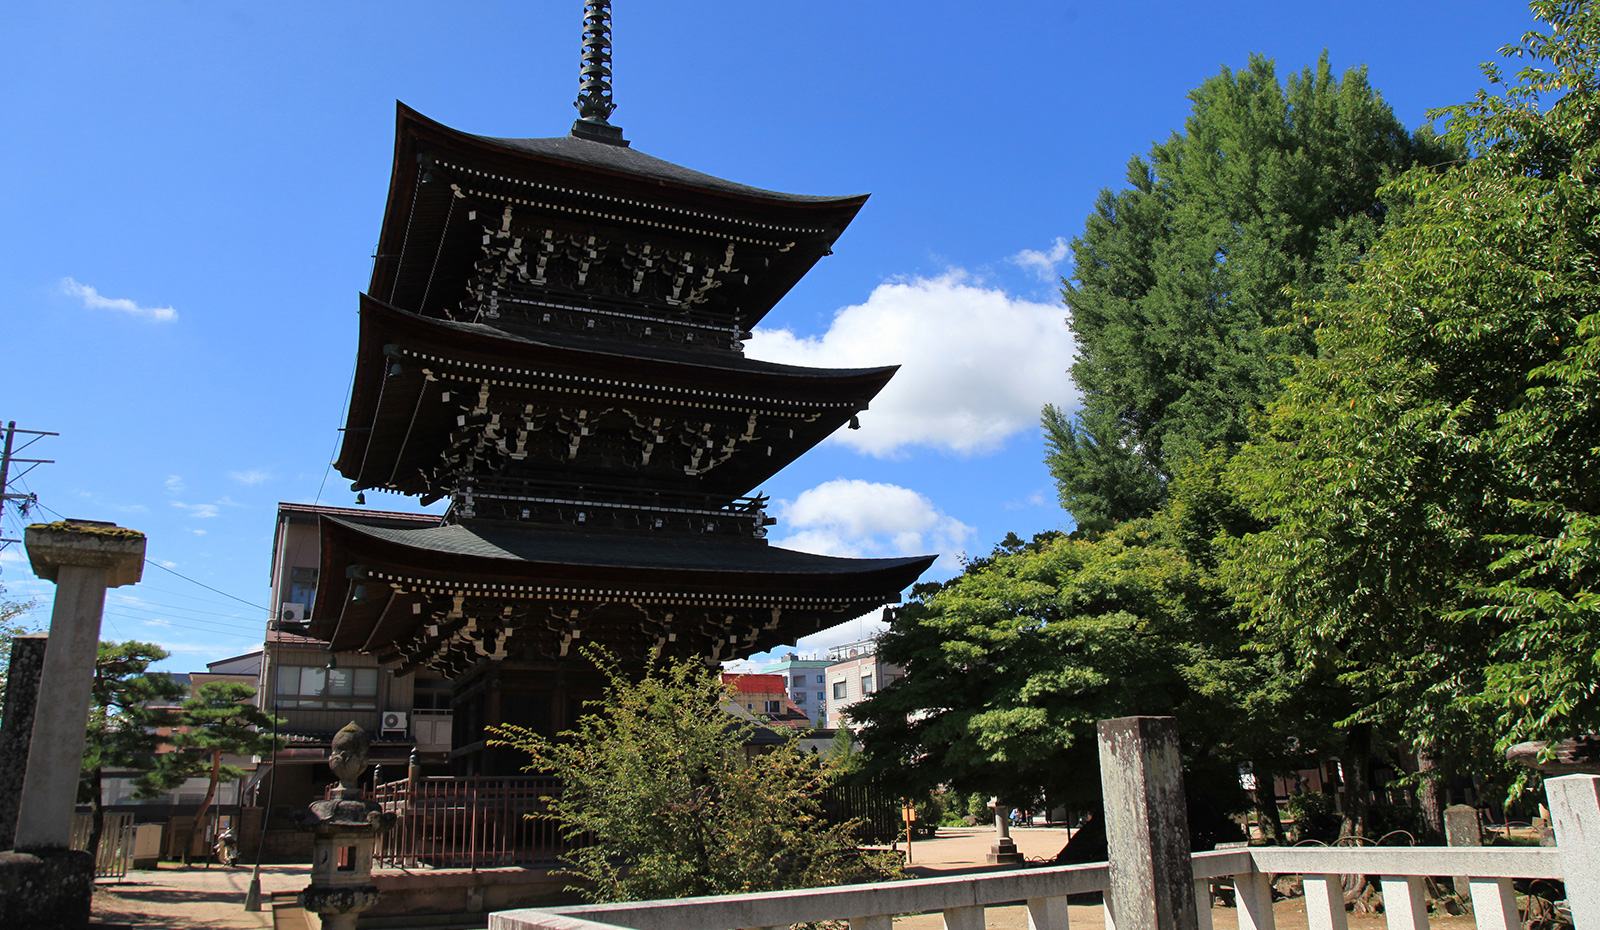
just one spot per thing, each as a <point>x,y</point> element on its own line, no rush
<point>1387,818</point>
<point>1315,817</point>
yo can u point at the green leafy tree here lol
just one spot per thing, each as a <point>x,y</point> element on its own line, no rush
<point>217,720</point>
<point>657,786</point>
<point>1010,666</point>
<point>1432,478</point>
<point>1182,286</point>
<point>128,706</point>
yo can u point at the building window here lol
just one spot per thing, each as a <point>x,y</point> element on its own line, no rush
<point>773,707</point>
<point>317,688</point>
<point>302,586</point>
<point>799,681</point>
<point>821,697</point>
<point>839,689</point>
<point>866,684</point>
<point>819,679</point>
<point>799,697</point>
<point>432,695</point>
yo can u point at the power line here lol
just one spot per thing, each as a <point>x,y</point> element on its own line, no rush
<point>134,598</point>
<point>171,623</point>
<point>167,612</point>
<point>169,571</point>
<point>147,586</point>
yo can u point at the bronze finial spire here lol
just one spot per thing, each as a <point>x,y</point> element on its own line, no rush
<point>594,84</point>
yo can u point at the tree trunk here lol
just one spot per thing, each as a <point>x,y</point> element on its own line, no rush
<point>1428,794</point>
<point>205,805</point>
<point>1354,760</point>
<point>97,814</point>
<point>1267,807</point>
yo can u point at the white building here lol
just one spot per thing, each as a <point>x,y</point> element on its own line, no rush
<point>854,671</point>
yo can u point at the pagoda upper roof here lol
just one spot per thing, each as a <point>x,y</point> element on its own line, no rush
<point>422,384</point>
<point>631,161</point>
<point>448,186</point>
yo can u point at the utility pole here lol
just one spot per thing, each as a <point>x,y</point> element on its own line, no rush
<point>7,458</point>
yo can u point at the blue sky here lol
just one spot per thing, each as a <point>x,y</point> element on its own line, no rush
<point>193,191</point>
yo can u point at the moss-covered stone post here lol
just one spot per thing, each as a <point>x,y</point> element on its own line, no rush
<point>83,558</point>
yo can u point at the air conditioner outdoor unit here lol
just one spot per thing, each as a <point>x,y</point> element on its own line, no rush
<point>291,611</point>
<point>394,720</point>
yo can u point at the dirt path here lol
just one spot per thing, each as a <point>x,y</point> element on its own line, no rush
<point>196,897</point>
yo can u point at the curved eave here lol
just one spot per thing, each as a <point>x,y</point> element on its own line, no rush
<point>368,445</point>
<point>514,561</point>
<point>609,174</point>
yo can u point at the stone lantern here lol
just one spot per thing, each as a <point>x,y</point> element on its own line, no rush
<point>344,831</point>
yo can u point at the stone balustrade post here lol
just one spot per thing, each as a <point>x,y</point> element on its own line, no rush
<point>1147,824</point>
<point>1575,816</point>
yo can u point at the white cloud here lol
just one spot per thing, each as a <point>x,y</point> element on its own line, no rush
<point>976,364</point>
<point>175,484</point>
<point>252,477</point>
<point>863,519</point>
<point>198,511</point>
<point>91,298</point>
<point>1042,264</point>
<point>1036,499</point>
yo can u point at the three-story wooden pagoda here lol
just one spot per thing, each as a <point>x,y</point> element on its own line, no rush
<point>553,340</point>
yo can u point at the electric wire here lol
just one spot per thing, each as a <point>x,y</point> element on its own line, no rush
<point>172,623</point>
<point>133,601</point>
<point>150,561</point>
<point>160,615</point>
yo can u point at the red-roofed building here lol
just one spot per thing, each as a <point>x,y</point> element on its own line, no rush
<point>766,697</point>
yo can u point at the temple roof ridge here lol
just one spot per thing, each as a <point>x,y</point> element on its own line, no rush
<point>622,160</point>
<point>645,351</point>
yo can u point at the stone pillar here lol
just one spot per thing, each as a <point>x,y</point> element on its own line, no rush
<point>83,558</point>
<point>1147,824</point>
<point>1462,827</point>
<point>1575,815</point>
<point>1004,850</point>
<point>22,693</point>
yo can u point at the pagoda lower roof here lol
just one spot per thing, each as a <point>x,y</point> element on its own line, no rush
<point>487,565</point>
<point>512,548</point>
<point>428,245</point>
<point>418,379</point>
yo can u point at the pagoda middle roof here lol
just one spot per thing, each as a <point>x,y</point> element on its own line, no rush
<point>396,426</point>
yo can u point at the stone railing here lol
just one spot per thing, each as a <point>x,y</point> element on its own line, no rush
<point>1152,888</point>
<point>962,899</point>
